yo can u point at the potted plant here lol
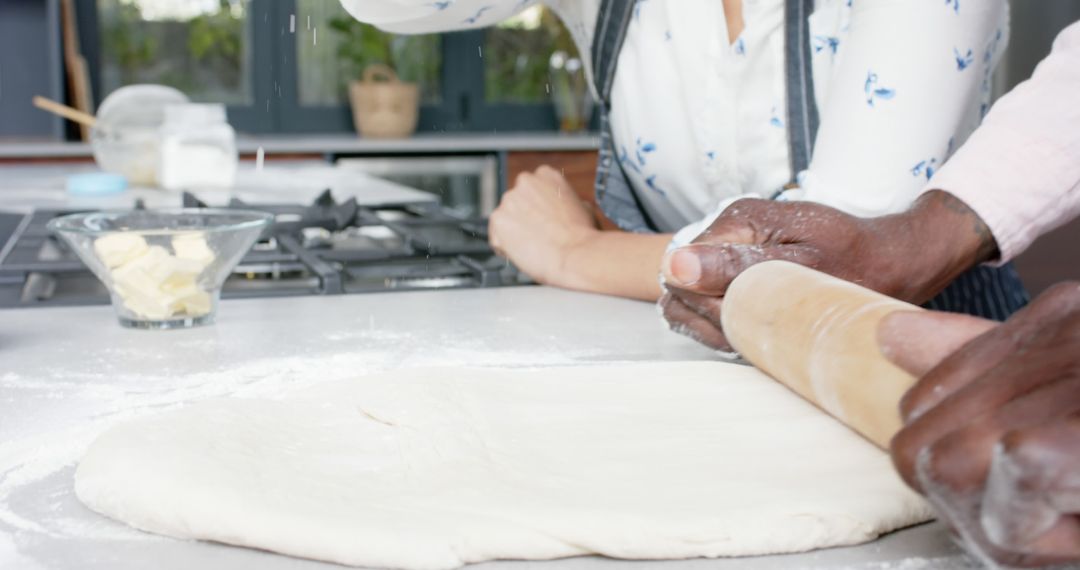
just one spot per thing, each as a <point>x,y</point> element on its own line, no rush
<point>385,99</point>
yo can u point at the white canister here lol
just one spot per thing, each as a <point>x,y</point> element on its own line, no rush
<point>198,148</point>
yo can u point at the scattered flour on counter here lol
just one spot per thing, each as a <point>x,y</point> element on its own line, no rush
<point>366,336</point>
<point>7,550</point>
<point>963,562</point>
<point>64,411</point>
<point>10,379</point>
<point>10,557</point>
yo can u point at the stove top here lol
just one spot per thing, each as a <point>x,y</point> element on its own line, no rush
<point>326,248</point>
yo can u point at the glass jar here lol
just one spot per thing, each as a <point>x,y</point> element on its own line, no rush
<point>198,148</point>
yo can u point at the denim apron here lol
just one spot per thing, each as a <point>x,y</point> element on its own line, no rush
<point>988,292</point>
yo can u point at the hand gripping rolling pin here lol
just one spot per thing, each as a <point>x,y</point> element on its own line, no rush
<point>817,335</point>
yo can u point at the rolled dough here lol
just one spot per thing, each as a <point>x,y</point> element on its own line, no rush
<point>435,468</point>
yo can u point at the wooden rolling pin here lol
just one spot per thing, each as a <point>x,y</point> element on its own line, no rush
<point>818,335</point>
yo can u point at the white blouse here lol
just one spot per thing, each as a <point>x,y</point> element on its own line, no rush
<point>698,121</point>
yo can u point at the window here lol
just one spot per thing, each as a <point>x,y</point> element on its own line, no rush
<point>347,47</point>
<point>284,65</point>
<point>532,59</point>
<point>518,56</point>
<point>201,48</point>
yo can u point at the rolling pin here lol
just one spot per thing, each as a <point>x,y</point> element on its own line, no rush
<point>817,335</point>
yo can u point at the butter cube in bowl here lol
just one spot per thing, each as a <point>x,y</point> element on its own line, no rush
<point>164,268</point>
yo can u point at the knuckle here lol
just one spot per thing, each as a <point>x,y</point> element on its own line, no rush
<point>510,200</point>
<point>523,179</point>
<point>915,453</point>
<point>807,256</point>
<point>930,462</point>
<point>668,309</point>
<point>1020,466</point>
<point>740,208</point>
<point>959,460</point>
<point>906,447</point>
<point>749,204</point>
<point>712,310</point>
<point>909,402</point>
<point>1032,451</point>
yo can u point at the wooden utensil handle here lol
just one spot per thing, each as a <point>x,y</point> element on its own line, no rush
<point>64,111</point>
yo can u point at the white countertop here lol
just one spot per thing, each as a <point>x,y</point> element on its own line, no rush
<point>422,143</point>
<point>69,373</point>
<point>24,187</point>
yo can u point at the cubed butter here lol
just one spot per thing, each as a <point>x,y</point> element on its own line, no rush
<point>133,279</point>
<point>117,249</point>
<point>158,285</point>
<point>161,266</point>
<point>193,247</point>
<point>196,305</point>
<point>147,306</point>
<point>180,288</point>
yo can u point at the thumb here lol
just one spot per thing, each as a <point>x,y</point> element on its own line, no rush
<point>918,340</point>
<point>708,269</point>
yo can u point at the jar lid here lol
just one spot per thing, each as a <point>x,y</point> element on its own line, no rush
<point>96,184</point>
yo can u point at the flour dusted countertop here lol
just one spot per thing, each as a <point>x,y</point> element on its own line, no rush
<point>69,373</point>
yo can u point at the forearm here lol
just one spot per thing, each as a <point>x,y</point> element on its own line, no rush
<point>932,243</point>
<point>615,263</point>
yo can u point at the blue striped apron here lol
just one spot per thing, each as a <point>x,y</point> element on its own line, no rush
<point>988,292</point>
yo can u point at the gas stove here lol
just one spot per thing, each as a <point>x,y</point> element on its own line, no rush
<point>326,248</point>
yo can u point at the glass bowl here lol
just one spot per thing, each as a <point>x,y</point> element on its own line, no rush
<point>126,138</point>
<point>164,268</point>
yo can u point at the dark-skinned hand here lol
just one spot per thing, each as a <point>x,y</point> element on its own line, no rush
<point>992,434</point>
<point>910,256</point>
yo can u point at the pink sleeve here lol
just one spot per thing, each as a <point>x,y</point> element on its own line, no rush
<point>1020,171</point>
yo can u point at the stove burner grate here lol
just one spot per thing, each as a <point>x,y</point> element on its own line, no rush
<point>326,248</point>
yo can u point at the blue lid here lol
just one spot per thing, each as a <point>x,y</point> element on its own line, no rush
<point>96,184</point>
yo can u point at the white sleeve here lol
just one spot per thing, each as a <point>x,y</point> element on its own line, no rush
<point>431,16</point>
<point>908,83</point>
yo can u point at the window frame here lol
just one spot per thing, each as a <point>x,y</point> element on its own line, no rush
<point>463,106</point>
